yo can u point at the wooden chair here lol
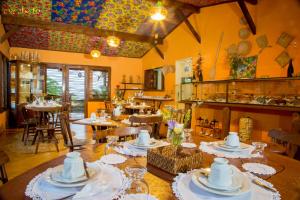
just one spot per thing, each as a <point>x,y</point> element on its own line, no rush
<point>29,124</point>
<point>3,160</point>
<point>153,121</point>
<point>69,141</point>
<point>290,143</point>
<point>108,107</point>
<point>127,132</point>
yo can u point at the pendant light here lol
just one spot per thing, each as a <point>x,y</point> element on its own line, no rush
<point>113,41</point>
<point>159,12</point>
<point>95,53</point>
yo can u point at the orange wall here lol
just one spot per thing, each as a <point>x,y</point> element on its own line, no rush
<point>119,66</point>
<point>3,122</point>
<point>271,18</point>
<point>4,47</point>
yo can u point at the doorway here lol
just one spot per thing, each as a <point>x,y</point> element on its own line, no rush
<point>68,84</point>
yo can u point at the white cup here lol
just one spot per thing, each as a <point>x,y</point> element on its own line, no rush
<point>221,173</point>
<point>232,139</point>
<point>143,138</point>
<point>93,116</point>
<point>73,166</point>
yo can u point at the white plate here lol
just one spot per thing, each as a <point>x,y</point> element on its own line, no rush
<point>236,183</point>
<point>47,178</point>
<point>113,159</point>
<point>152,144</point>
<point>138,197</point>
<point>224,147</point>
<point>244,189</point>
<point>56,175</point>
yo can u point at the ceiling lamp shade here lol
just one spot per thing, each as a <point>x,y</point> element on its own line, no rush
<point>159,12</point>
<point>113,41</point>
<point>95,53</point>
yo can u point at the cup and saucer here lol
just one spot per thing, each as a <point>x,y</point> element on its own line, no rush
<point>143,140</point>
<point>223,179</point>
<point>231,143</point>
<point>71,173</point>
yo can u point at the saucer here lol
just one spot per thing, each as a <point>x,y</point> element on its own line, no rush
<point>223,146</point>
<point>153,143</point>
<point>56,175</point>
<point>113,159</point>
<point>245,186</point>
<point>236,183</point>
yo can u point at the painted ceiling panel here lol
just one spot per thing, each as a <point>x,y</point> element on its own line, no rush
<point>29,37</point>
<point>35,9</point>
<point>124,15</point>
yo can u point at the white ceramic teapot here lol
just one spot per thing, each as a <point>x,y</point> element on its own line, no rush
<point>143,138</point>
<point>73,166</point>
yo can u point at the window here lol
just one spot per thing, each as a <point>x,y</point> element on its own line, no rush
<point>99,83</point>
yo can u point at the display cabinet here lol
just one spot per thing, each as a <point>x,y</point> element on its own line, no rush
<point>268,92</point>
<point>26,80</point>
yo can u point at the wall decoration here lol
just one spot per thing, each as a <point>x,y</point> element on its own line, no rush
<point>232,49</point>
<point>244,33</point>
<point>242,67</point>
<point>244,48</point>
<point>212,72</point>
<point>243,21</point>
<point>285,39</point>
<point>262,41</point>
<point>168,69</point>
<point>290,70</point>
<point>283,59</point>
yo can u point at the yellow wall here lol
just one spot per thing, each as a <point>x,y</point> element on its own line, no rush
<point>3,122</point>
<point>119,66</point>
<point>4,47</point>
<point>271,18</point>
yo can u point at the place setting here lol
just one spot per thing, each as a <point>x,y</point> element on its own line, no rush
<point>230,147</point>
<point>139,146</point>
<point>222,181</point>
<point>76,179</point>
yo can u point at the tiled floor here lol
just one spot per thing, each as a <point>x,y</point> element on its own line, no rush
<point>22,158</point>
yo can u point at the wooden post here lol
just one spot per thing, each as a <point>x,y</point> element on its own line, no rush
<point>226,122</point>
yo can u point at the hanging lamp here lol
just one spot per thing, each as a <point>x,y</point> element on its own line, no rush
<point>159,12</point>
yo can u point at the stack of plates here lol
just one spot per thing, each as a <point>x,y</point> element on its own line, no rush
<point>240,185</point>
<point>152,144</point>
<point>221,145</point>
<point>55,178</point>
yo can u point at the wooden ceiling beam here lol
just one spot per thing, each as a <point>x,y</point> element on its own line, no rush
<point>160,53</point>
<point>9,33</point>
<point>247,15</point>
<point>174,3</point>
<point>56,26</point>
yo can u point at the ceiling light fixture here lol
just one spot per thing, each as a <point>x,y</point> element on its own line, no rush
<point>159,12</point>
<point>113,41</point>
<point>95,53</point>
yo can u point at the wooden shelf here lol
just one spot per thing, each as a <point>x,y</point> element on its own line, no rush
<point>132,83</point>
<point>132,89</point>
<point>244,105</point>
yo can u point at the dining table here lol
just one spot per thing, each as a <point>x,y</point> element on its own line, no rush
<point>286,180</point>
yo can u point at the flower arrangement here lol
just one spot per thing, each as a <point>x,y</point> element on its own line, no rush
<point>175,132</point>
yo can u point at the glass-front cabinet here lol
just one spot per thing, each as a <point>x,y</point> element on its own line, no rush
<point>26,81</point>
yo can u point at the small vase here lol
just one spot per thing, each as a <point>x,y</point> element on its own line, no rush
<point>177,139</point>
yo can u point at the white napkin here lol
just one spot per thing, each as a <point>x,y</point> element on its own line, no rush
<point>138,197</point>
<point>127,149</point>
<point>188,145</point>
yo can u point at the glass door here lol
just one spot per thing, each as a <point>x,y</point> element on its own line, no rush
<point>55,83</point>
<point>76,92</point>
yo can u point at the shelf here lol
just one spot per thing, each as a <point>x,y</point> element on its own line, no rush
<point>132,83</point>
<point>244,105</point>
<point>131,89</point>
<point>244,80</point>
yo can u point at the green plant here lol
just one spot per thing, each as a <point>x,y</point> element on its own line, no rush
<point>53,87</point>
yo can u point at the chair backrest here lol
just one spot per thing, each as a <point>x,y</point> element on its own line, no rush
<point>154,121</point>
<point>108,106</point>
<point>178,115</point>
<point>280,136</point>
<point>66,130</point>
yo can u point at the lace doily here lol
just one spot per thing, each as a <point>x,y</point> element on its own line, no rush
<point>259,168</point>
<point>39,189</point>
<point>138,197</point>
<point>210,148</point>
<point>184,189</point>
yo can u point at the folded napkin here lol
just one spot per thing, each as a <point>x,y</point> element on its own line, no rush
<point>127,149</point>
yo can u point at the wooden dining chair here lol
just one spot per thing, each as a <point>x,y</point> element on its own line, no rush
<point>153,121</point>
<point>127,132</point>
<point>29,124</point>
<point>3,160</point>
<point>69,141</point>
<point>108,107</point>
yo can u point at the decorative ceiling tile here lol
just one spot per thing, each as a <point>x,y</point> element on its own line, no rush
<point>66,41</point>
<point>134,49</point>
<point>83,12</point>
<point>100,44</point>
<point>124,15</point>
<point>29,37</point>
<point>36,9</point>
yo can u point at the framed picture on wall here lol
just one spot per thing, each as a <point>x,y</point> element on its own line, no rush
<point>245,68</point>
